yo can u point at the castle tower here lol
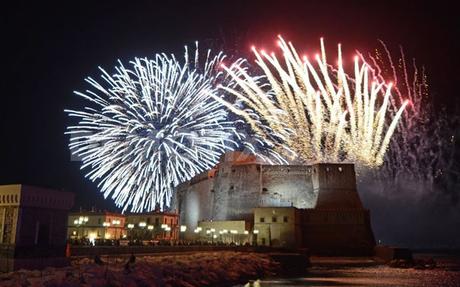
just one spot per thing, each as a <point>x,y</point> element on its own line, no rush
<point>335,184</point>
<point>338,224</point>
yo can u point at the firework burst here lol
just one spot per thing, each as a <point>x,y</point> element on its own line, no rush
<point>313,111</point>
<point>151,126</point>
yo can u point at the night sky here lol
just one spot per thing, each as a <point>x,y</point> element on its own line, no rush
<point>51,48</point>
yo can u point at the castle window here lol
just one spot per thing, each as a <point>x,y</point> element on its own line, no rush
<point>262,219</point>
<point>212,190</point>
<point>285,219</point>
<point>274,219</point>
<point>340,169</point>
<point>264,190</point>
<point>232,187</point>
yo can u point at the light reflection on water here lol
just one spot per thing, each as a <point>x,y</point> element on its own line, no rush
<point>447,273</point>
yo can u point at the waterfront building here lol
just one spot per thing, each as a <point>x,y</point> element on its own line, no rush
<point>32,226</point>
<point>96,225</point>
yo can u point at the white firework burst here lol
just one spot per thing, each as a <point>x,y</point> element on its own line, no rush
<point>151,126</point>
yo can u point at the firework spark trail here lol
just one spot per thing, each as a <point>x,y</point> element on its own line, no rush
<point>151,126</point>
<point>424,142</point>
<point>320,116</point>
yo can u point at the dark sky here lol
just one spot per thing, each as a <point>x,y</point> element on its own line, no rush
<point>51,48</point>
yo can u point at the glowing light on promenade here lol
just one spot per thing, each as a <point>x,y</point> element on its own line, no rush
<point>150,126</point>
<point>315,112</point>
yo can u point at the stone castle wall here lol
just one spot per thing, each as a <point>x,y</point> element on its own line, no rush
<point>194,201</point>
<point>287,186</point>
<point>237,190</point>
<point>234,189</point>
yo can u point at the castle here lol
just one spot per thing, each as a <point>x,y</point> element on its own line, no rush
<point>314,206</point>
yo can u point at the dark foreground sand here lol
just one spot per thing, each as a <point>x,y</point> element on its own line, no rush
<point>225,268</point>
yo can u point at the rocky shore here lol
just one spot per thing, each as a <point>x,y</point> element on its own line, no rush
<point>197,269</point>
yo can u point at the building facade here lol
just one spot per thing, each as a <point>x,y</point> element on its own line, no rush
<point>224,231</point>
<point>277,226</point>
<point>32,226</point>
<point>153,226</point>
<point>94,225</point>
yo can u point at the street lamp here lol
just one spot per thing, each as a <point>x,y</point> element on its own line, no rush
<point>116,223</point>
<point>79,222</point>
<point>255,232</point>
<point>130,227</point>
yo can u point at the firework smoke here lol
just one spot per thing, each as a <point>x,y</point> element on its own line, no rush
<point>416,189</point>
<point>423,149</point>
